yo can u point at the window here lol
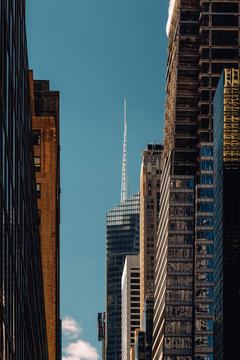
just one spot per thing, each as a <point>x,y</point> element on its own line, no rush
<point>207,151</point>
<point>206,340</point>
<point>37,163</point>
<point>204,221</point>
<point>205,207</point>
<point>38,189</point>
<point>207,165</point>
<point>205,193</point>
<point>36,137</point>
<point>204,263</point>
<point>204,293</point>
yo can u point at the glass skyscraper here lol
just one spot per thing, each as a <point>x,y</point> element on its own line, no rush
<point>122,240</point>
<point>227,215</point>
<point>22,315</point>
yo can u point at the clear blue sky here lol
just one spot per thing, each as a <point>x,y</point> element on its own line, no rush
<point>96,52</point>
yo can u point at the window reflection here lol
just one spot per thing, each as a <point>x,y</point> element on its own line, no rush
<point>183,311</point>
<point>178,295</point>
<point>204,293</point>
<point>178,327</point>
<point>206,340</point>
<point>204,309</point>
<point>178,343</point>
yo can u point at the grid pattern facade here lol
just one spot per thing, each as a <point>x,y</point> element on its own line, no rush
<point>219,49</point>
<point>122,240</point>
<point>149,209</point>
<point>174,287</point>
<point>203,299</point>
<point>226,214</point>
<point>22,315</point>
<point>130,303</point>
<point>203,40</point>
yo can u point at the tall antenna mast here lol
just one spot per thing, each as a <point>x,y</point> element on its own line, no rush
<point>124,192</point>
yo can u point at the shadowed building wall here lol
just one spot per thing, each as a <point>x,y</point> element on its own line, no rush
<point>22,314</point>
<point>45,125</point>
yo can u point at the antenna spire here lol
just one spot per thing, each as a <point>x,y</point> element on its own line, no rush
<point>124,187</point>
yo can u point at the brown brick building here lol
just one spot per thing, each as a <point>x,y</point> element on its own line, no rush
<point>149,206</point>
<point>45,126</point>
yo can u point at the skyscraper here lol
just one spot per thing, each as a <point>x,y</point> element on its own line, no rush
<point>226,214</point>
<point>149,209</point>
<point>130,303</point>
<point>22,313</point>
<point>203,39</point>
<point>122,240</point>
<point>45,128</point>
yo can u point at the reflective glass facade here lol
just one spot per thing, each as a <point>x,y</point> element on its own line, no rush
<point>122,240</point>
<point>203,277</point>
<point>227,214</point>
<point>22,315</point>
<point>174,286</point>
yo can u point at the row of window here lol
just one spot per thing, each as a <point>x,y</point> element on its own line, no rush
<point>205,193</point>
<point>205,207</point>
<point>186,311</point>
<point>207,179</point>
<point>207,165</point>
<point>182,184</point>
<point>178,327</point>
<point>207,151</point>
<point>204,221</point>
<point>181,211</point>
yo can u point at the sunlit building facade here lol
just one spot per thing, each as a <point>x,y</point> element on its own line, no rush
<point>122,239</point>
<point>149,209</point>
<point>45,130</point>
<point>22,313</point>
<point>227,215</point>
<point>130,303</point>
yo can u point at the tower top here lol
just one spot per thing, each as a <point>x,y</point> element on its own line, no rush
<point>124,187</point>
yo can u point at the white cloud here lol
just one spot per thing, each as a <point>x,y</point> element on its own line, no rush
<point>80,350</point>
<point>71,328</point>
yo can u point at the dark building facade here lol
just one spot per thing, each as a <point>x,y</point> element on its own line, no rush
<point>139,345</point>
<point>101,331</point>
<point>203,39</point>
<point>122,240</point>
<point>22,313</point>
<point>227,215</point>
<point>45,128</point>
<point>147,326</point>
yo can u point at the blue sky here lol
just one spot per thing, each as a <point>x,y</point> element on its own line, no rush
<point>96,52</point>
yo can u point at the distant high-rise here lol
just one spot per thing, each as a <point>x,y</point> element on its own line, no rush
<point>45,128</point>
<point>149,209</point>
<point>226,215</point>
<point>22,313</point>
<point>130,303</point>
<point>122,240</point>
